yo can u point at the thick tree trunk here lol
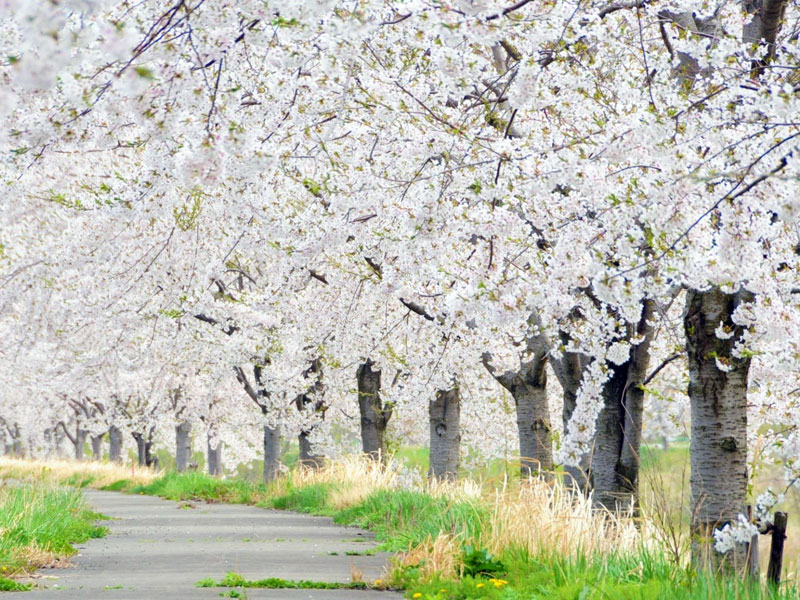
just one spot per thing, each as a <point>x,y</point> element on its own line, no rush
<point>115,444</point>
<point>445,445</point>
<point>272,452</point>
<point>183,446</point>
<point>214,458</point>
<point>97,447</point>
<point>374,415</point>
<point>718,445</point>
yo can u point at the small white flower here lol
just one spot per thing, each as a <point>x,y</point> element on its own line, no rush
<point>723,332</point>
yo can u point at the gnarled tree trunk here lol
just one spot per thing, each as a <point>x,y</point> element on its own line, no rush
<point>183,446</point>
<point>528,387</point>
<point>144,448</point>
<point>115,444</point>
<point>718,397</point>
<point>374,414</point>
<point>445,452</point>
<point>272,452</point>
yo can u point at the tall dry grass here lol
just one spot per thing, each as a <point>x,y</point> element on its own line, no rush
<point>96,474</point>
<point>545,517</point>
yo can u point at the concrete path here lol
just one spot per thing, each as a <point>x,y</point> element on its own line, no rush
<point>157,550</point>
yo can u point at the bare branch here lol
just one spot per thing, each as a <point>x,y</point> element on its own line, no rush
<point>664,363</point>
<point>417,309</point>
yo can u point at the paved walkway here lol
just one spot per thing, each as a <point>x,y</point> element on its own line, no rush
<point>157,550</point>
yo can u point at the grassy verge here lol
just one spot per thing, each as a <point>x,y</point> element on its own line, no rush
<point>503,541</point>
<point>39,523</point>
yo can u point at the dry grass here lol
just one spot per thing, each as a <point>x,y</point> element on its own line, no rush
<point>99,474</point>
<point>545,517</point>
<point>435,557</point>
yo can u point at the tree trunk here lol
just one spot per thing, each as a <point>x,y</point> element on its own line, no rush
<point>115,444</point>
<point>613,464</point>
<point>528,387</point>
<point>80,442</point>
<point>307,457</point>
<point>569,371</point>
<point>141,449</point>
<point>183,446</point>
<point>718,443</point>
<point>97,447</point>
<point>633,409</point>
<point>17,447</point>
<point>144,449</point>
<point>214,458</point>
<point>445,444</point>
<point>374,415</point>
<point>604,482</point>
<point>272,452</point>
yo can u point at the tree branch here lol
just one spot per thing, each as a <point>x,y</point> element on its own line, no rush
<point>417,309</point>
<point>666,361</point>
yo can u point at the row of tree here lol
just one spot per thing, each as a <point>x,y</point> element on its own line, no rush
<point>255,212</point>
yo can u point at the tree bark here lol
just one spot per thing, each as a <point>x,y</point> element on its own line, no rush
<point>183,446</point>
<point>214,458</point>
<point>115,444</point>
<point>718,443</point>
<point>445,440</point>
<point>374,415</point>
<point>97,447</point>
<point>272,452</point>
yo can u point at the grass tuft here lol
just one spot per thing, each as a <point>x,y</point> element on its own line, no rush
<point>38,525</point>
<point>234,580</point>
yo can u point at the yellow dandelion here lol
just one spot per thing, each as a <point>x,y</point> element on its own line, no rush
<point>417,595</point>
<point>480,585</point>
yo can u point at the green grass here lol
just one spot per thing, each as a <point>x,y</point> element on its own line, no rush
<point>199,486</point>
<point>403,517</point>
<point>306,499</point>
<point>643,577</point>
<point>38,520</point>
<point>9,585</point>
<point>234,580</point>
